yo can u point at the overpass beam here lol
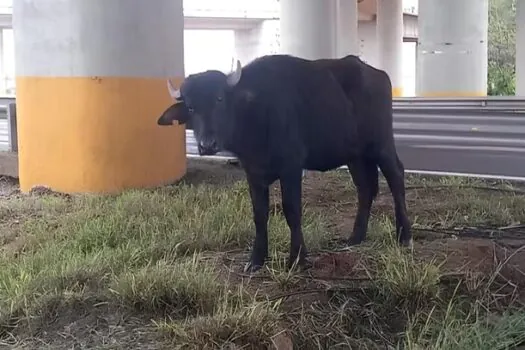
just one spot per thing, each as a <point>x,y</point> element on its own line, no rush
<point>91,83</point>
<point>452,48</point>
<point>520,48</point>
<point>390,41</point>
<point>308,28</point>
<point>347,16</point>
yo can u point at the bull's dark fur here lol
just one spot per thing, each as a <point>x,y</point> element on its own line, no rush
<point>287,114</point>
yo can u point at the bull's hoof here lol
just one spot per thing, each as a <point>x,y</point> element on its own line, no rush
<point>252,267</point>
<point>408,243</point>
<point>353,241</point>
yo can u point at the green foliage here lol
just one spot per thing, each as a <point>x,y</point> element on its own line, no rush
<point>502,47</point>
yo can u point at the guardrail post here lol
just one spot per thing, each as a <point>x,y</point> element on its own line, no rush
<point>11,127</point>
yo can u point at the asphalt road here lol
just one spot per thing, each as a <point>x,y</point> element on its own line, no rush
<point>423,155</point>
<point>447,157</point>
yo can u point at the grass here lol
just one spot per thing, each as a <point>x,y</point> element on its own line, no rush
<point>254,323</point>
<point>186,287</point>
<point>161,268</point>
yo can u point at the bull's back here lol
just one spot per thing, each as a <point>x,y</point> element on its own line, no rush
<point>370,91</point>
<point>309,109</point>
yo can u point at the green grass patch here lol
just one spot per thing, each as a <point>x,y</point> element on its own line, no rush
<point>163,258</point>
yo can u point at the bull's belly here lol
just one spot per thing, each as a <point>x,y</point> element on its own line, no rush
<point>326,162</point>
<point>330,154</point>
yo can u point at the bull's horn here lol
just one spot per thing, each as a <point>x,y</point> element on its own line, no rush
<point>174,93</point>
<point>234,77</point>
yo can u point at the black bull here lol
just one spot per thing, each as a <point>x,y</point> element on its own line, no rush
<point>281,114</point>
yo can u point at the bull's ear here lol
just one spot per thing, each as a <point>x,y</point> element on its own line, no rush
<point>176,112</point>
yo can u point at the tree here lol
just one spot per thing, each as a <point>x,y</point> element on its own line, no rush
<point>502,47</point>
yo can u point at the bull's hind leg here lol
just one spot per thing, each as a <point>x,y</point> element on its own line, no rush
<point>291,186</point>
<point>365,176</point>
<point>394,172</point>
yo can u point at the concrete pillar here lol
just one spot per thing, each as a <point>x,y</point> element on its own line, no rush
<point>246,43</point>
<point>390,41</point>
<point>308,28</point>
<point>347,40</point>
<point>91,83</point>
<point>258,41</point>
<point>520,47</point>
<point>368,42</point>
<point>452,48</point>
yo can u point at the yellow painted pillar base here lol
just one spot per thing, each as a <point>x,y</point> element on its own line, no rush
<point>397,92</point>
<point>96,135</point>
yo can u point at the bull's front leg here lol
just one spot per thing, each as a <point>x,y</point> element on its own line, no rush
<point>260,196</point>
<point>291,186</point>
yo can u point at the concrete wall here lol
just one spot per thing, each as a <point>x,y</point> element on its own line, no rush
<point>368,41</point>
<point>258,41</point>
<point>265,39</point>
<point>452,49</point>
<point>308,28</point>
<point>369,52</point>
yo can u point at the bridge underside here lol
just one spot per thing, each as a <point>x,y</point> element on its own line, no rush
<point>242,23</point>
<point>225,23</point>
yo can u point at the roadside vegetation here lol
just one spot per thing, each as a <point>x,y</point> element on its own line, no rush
<point>502,48</point>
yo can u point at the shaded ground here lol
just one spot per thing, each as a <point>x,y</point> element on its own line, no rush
<point>155,269</point>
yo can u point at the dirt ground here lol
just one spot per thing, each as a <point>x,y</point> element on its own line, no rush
<point>8,187</point>
<point>481,248</point>
<point>331,194</point>
<point>445,235</point>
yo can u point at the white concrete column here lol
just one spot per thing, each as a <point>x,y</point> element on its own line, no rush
<point>308,28</point>
<point>91,84</point>
<point>258,41</point>
<point>246,42</point>
<point>390,41</point>
<point>452,49</point>
<point>347,40</point>
<point>520,47</point>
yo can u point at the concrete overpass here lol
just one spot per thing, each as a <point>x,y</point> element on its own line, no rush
<point>257,29</point>
<point>85,92</point>
<point>257,22</point>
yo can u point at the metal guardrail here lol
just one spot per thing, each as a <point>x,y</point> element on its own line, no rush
<point>464,136</point>
<point>8,135</point>
<point>4,133</point>
<point>483,137</point>
<point>483,103</point>
<point>4,101</point>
